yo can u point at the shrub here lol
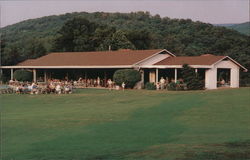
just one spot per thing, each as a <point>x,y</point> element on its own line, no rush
<point>172,86</point>
<point>22,75</point>
<point>129,76</point>
<point>150,86</point>
<point>244,79</point>
<point>191,79</point>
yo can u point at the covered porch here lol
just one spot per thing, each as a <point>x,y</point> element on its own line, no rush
<point>153,75</point>
<point>87,76</point>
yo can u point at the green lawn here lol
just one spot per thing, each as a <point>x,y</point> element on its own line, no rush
<point>135,124</point>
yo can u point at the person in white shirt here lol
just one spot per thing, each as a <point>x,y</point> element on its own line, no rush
<point>123,86</point>
<point>98,82</point>
<point>162,83</point>
<point>58,89</point>
<point>110,84</point>
<point>33,88</point>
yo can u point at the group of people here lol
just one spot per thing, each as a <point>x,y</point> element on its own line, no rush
<point>161,84</point>
<point>66,87</point>
<point>223,83</point>
<point>59,86</point>
<point>98,82</point>
<point>93,82</point>
<point>52,86</point>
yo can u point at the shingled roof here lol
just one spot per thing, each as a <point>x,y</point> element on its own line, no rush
<point>207,59</point>
<point>102,58</point>
<point>119,59</point>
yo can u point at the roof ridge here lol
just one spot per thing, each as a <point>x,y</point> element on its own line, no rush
<point>141,50</point>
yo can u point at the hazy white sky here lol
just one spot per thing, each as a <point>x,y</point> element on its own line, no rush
<point>211,11</point>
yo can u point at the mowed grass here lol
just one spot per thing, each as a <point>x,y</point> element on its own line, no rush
<point>135,124</point>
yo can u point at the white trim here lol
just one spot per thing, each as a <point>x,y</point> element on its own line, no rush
<point>154,55</point>
<point>118,66</point>
<point>245,70</point>
<point>63,67</point>
<point>170,53</point>
<point>175,66</point>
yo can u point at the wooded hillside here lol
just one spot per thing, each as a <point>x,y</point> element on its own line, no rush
<point>243,28</point>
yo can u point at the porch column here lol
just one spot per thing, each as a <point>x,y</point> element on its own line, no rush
<point>45,76</point>
<point>157,75</point>
<point>34,75</point>
<point>196,70</point>
<point>234,77</point>
<point>211,78</point>
<point>105,79</point>
<point>12,74</point>
<point>175,75</point>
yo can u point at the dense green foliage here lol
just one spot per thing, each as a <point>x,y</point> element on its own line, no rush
<point>3,78</point>
<point>130,125</point>
<point>191,79</point>
<point>150,86</point>
<point>129,76</point>
<point>172,86</point>
<point>136,30</point>
<point>178,86</point>
<point>243,28</point>
<point>22,75</point>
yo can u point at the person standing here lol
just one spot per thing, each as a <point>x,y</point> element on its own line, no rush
<point>162,83</point>
<point>123,86</point>
<point>98,82</point>
<point>110,84</point>
<point>158,86</point>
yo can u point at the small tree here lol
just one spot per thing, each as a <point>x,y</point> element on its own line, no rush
<point>129,76</point>
<point>191,78</point>
<point>22,75</point>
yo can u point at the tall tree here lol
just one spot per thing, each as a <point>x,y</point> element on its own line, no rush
<point>140,38</point>
<point>11,55</point>
<point>118,40</point>
<point>76,35</point>
<point>34,48</point>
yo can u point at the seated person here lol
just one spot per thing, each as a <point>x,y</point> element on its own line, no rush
<point>58,89</point>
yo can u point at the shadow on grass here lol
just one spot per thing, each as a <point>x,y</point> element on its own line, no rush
<point>227,151</point>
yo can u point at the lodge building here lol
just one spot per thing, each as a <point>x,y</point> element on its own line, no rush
<point>152,65</point>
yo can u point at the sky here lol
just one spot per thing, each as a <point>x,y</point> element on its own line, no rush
<point>209,11</point>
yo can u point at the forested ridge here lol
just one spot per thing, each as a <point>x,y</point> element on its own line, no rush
<point>136,30</point>
<point>242,28</point>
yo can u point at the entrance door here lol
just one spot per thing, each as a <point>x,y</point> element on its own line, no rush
<point>152,76</point>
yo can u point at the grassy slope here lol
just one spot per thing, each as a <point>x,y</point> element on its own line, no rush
<point>98,124</point>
